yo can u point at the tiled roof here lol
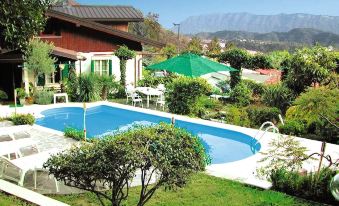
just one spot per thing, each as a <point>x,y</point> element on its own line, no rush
<point>102,13</point>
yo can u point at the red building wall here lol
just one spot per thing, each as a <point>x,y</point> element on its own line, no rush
<point>69,36</point>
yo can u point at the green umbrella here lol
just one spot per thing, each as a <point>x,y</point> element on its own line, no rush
<point>190,65</point>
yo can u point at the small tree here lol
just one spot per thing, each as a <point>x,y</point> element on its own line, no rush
<point>20,20</point>
<point>237,58</point>
<point>214,48</point>
<point>38,59</point>
<point>194,46</point>
<point>260,61</point>
<point>124,54</point>
<point>284,152</point>
<point>104,163</point>
<point>167,154</point>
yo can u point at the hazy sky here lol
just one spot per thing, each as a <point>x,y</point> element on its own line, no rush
<point>171,11</point>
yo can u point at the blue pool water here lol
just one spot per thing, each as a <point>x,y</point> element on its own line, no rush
<point>222,145</point>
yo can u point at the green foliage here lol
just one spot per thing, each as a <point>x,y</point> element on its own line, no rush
<point>284,152</point>
<point>259,61</point>
<point>237,116</point>
<point>313,186</point>
<point>3,95</point>
<point>43,97</point>
<point>38,59</point>
<point>22,119</point>
<point>260,114</point>
<point>89,88</point>
<point>237,58</point>
<point>309,66</point>
<point>293,127</point>
<point>107,85</point>
<point>21,93</point>
<point>167,152</point>
<point>72,85</point>
<point>183,93</point>
<point>74,133</point>
<point>278,95</point>
<point>170,50</point>
<point>257,88</point>
<point>241,95</point>
<point>194,46</point>
<point>318,108</point>
<point>203,105</point>
<point>214,48</point>
<point>20,20</point>
<point>124,54</point>
<point>149,80</point>
<point>278,57</point>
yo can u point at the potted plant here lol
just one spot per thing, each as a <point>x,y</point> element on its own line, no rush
<point>3,96</point>
<point>21,94</point>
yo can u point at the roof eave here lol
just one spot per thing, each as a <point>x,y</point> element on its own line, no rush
<point>101,27</point>
<point>116,19</point>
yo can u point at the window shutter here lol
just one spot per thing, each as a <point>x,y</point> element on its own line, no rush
<point>110,67</point>
<point>65,72</point>
<point>92,66</point>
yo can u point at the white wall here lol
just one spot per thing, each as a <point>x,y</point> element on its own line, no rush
<point>131,66</point>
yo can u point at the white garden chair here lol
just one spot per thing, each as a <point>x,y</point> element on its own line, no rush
<point>129,90</point>
<point>161,101</point>
<point>136,99</point>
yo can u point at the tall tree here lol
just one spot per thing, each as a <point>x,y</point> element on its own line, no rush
<point>38,59</point>
<point>124,54</point>
<point>20,20</point>
<point>214,48</point>
<point>237,58</point>
<point>169,50</point>
<point>194,46</point>
<point>309,66</point>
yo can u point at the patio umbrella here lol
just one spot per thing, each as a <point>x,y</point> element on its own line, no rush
<point>191,65</point>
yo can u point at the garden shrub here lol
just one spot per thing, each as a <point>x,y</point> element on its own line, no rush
<point>313,186</point>
<point>204,104</point>
<point>89,88</point>
<point>183,93</point>
<point>241,95</point>
<point>152,81</point>
<point>260,114</point>
<point>43,97</point>
<point>72,85</point>
<point>74,133</point>
<point>236,116</point>
<point>257,88</point>
<point>279,96</point>
<point>293,127</point>
<point>23,119</point>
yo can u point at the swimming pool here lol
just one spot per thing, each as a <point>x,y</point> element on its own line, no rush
<point>222,145</point>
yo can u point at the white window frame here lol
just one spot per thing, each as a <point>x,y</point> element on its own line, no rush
<point>100,63</point>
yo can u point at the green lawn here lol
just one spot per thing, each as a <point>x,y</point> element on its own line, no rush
<point>203,190</point>
<point>7,200</point>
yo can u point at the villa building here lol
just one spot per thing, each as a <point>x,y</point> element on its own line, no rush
<point>85,38</point>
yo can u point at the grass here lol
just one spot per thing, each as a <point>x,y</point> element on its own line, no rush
<point>7,200</point>
<point>202,190</point>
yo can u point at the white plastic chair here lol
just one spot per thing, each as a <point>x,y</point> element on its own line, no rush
<point>161,87</point>
<point>161,101</point>
<point>136,99</point>
<point>129,90</point>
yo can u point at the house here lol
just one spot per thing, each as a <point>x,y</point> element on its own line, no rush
<point>85,38</point>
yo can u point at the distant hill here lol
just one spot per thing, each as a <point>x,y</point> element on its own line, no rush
<point>258,23</point>
<point>301,36</point>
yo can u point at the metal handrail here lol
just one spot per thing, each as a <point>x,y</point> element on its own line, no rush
<point>272,127</point>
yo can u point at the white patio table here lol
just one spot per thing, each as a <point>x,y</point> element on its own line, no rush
<point>148,91</point>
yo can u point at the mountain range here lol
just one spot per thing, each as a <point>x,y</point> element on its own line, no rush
<point>306,36</point>
<point>258,23</point>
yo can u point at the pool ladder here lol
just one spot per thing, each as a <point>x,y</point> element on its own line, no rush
<point>264,128</point>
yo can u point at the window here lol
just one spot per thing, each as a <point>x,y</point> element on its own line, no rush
<point>101,67</point>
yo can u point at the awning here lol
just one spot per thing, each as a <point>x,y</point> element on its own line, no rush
<point>61,52</point>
